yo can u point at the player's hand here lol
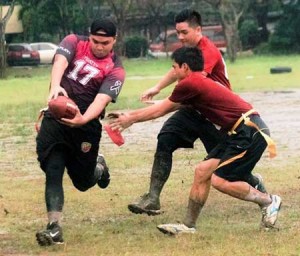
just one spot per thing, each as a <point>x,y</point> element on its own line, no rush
<point>55,91</point>
<point>119,121</point>
<point>77,121</point>
<point>149,94</point>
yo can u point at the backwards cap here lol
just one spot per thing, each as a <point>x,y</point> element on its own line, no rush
<point>103,27</point>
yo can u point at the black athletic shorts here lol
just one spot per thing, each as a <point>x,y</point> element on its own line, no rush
<point>240,152</point>
<point>80,147</point>
<point>187,125</point>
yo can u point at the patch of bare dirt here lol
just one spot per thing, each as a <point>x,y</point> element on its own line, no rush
<point>279,109</point>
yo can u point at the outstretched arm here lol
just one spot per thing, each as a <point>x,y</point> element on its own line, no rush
<point>123,121</point>
<point>168,79</point>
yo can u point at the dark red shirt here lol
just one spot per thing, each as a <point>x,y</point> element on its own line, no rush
<point>214,64</point>
<point>86,75</point>
<point>218,104</point>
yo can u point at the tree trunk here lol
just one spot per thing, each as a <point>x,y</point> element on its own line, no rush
<point>2,51</point>
<point>2,38</point>
<point>230,14</point>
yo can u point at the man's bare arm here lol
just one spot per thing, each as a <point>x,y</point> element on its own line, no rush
<point>123,121</point>
<point>167,80</point>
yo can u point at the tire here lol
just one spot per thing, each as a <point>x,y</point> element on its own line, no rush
<point>279,70</point>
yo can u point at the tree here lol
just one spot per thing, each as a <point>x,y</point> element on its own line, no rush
<point>286,37</point>
<point>49,19</point>
<point>3,22</point>
<point>120,10</point>
<point>231,11</point>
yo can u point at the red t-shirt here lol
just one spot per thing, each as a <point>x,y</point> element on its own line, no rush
<point>214,64</point>
<point>86,75</point>
<point>218,104</point>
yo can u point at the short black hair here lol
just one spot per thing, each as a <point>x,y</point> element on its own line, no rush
<point>190,16</point>
<point>192,56</point>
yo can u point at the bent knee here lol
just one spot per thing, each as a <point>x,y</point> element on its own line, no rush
<point>83,186</point>
<point>202,173</point>
<point>205,169</point>
<point>218,183</point>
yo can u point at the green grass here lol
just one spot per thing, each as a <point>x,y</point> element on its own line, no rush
<point>97,222</point>
<point>249,73</point>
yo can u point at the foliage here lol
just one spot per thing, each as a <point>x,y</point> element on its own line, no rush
<point>4,17</point>
<point>262,49</point>
<point>248,32</point>
<point>286,37</point>
<point>54,18</point>
<point>136,46</point>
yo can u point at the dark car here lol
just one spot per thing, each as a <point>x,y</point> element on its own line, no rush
<point>159,48</point>
<point>22,54</point>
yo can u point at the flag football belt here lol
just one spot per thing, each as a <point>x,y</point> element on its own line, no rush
<point>41,115</point>
<point>245,117</point>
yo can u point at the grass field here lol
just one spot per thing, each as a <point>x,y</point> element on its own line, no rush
<point>97,222</point>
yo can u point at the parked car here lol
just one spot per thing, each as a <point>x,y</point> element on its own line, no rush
<point>22,54</point>
<point>46,51</point>
<point>157,48</point>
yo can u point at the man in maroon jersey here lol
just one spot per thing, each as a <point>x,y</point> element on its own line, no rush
<point>229,164</point>
<point>185,126</point>
<point>87,70</point>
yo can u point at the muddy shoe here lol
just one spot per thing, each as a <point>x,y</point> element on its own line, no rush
<point>103,171</point>
<point>50,236</point>
<point>145,204</point>
<point>175,229</point>
<point>270,212</point>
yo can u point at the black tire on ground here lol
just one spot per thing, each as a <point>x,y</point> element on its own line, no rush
<point>279,70</point>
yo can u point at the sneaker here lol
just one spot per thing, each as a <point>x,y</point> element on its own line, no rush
<point>270,212</point>
<point>145,204</point>
<point>260,186</point>
<point>175,229</point>
<point>101,167</point>
<point>51,236</point>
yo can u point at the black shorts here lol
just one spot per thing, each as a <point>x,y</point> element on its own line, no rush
<point>80,147</point>
<point>240,152</point>
<point>187,125</point>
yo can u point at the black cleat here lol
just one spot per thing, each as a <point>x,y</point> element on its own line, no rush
<point>101,167</point>
<point>51,236</point>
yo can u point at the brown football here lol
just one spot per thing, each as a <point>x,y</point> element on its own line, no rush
<point>62,107</point>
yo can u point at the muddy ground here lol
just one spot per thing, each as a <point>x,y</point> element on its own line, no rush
<point>280,111</point>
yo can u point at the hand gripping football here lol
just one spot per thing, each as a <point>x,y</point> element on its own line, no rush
<point>62,107</point>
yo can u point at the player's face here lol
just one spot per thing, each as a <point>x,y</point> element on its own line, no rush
<point>101,46</point>
<point>188,36</point>
<point>180,72</point>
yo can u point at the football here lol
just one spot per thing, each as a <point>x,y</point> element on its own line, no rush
<point>62,107</point>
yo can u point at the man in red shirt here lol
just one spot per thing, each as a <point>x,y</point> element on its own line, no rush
<point>86,70</point>
<point>185,126</point>
<point>229,164</point>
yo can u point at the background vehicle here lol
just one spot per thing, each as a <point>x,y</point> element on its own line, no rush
<point>46,51</point>
<point>22,54</point>
<point>157,48</point>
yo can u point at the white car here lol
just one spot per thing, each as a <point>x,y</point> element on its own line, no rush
<point>46,51</point>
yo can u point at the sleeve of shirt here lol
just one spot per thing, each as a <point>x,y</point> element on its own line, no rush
<point>210,60</point>
<point>113,82</point>
<point>67,47</point>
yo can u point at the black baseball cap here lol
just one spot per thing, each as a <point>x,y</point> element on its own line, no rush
<point>103,27</point>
